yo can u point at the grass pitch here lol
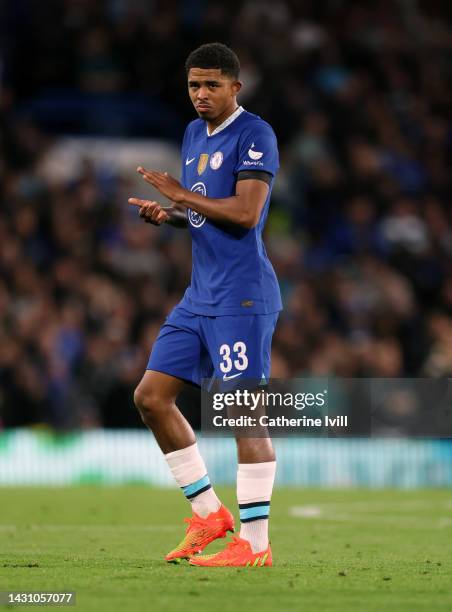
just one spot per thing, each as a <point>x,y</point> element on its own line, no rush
<point>333,551</point>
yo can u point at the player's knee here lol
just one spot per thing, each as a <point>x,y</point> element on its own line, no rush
<point>148,402</point>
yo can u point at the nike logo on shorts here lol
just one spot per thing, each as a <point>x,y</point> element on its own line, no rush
<point>188,161</point>
<point>226,378</point>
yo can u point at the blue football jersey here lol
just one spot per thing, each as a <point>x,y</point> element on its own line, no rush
<point>231,273</point>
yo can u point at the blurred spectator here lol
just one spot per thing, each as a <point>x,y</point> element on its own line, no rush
<point>360,231</point>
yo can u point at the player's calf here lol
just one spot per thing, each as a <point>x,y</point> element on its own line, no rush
<point>155,399</point>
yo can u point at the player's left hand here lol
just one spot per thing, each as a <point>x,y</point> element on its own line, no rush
<point>166,184</point>
<point>151,212</point>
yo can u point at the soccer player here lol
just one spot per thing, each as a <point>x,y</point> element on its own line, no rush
<point>224,324</point>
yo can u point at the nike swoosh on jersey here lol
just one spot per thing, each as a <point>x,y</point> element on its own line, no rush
<point>226,378</point>
<point>188,161</point>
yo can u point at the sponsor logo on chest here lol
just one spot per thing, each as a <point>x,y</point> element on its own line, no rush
<point>197,219</point>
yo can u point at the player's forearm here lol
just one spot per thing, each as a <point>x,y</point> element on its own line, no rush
<point>177,216</point>
<point>230,210</point>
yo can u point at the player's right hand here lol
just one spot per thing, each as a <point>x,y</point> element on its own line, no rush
<point>150,211</point>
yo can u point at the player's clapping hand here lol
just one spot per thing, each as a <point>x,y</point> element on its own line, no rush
<point>163,182</point>
<point>151,212</point>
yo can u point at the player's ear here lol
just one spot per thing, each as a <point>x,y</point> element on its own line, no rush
<point>236,87</point>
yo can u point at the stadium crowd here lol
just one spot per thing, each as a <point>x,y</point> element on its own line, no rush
<point>360,233</point>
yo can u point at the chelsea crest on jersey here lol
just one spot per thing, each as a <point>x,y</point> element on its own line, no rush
<point>231,273</point>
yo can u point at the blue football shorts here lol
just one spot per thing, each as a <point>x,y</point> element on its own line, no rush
<point>233,350</point>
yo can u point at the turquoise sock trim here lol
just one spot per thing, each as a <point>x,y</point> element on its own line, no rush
<point>197,487</point>
<point>255,513</point>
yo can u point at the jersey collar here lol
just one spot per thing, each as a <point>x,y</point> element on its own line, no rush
<point>226,122</point>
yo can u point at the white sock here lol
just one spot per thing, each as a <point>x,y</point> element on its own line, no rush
<point>189,471</point>
<point>254,491</point>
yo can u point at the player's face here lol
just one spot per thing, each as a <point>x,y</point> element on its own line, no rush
<point>212,93</point>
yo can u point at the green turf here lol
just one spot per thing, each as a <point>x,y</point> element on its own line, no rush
<point>355,550</point>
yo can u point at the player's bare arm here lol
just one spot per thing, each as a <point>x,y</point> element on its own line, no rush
<point>243,208</point>
<point>155,213</point>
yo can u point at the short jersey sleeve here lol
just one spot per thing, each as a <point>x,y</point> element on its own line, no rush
<point>258,149</point>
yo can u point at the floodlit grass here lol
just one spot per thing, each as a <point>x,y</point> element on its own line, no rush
<point>333,551</point>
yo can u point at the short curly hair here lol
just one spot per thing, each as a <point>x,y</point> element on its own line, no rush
<point>214,55</point>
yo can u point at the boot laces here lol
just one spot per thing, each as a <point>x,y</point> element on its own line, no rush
<point>194,522</point>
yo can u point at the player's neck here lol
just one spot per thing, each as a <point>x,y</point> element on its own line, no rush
<point>212,125</point>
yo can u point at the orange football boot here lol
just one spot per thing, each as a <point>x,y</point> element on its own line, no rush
<point>201,532</point>
<point>237,553</point>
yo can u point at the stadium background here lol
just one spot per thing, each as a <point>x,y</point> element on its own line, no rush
<point>359,94</point>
